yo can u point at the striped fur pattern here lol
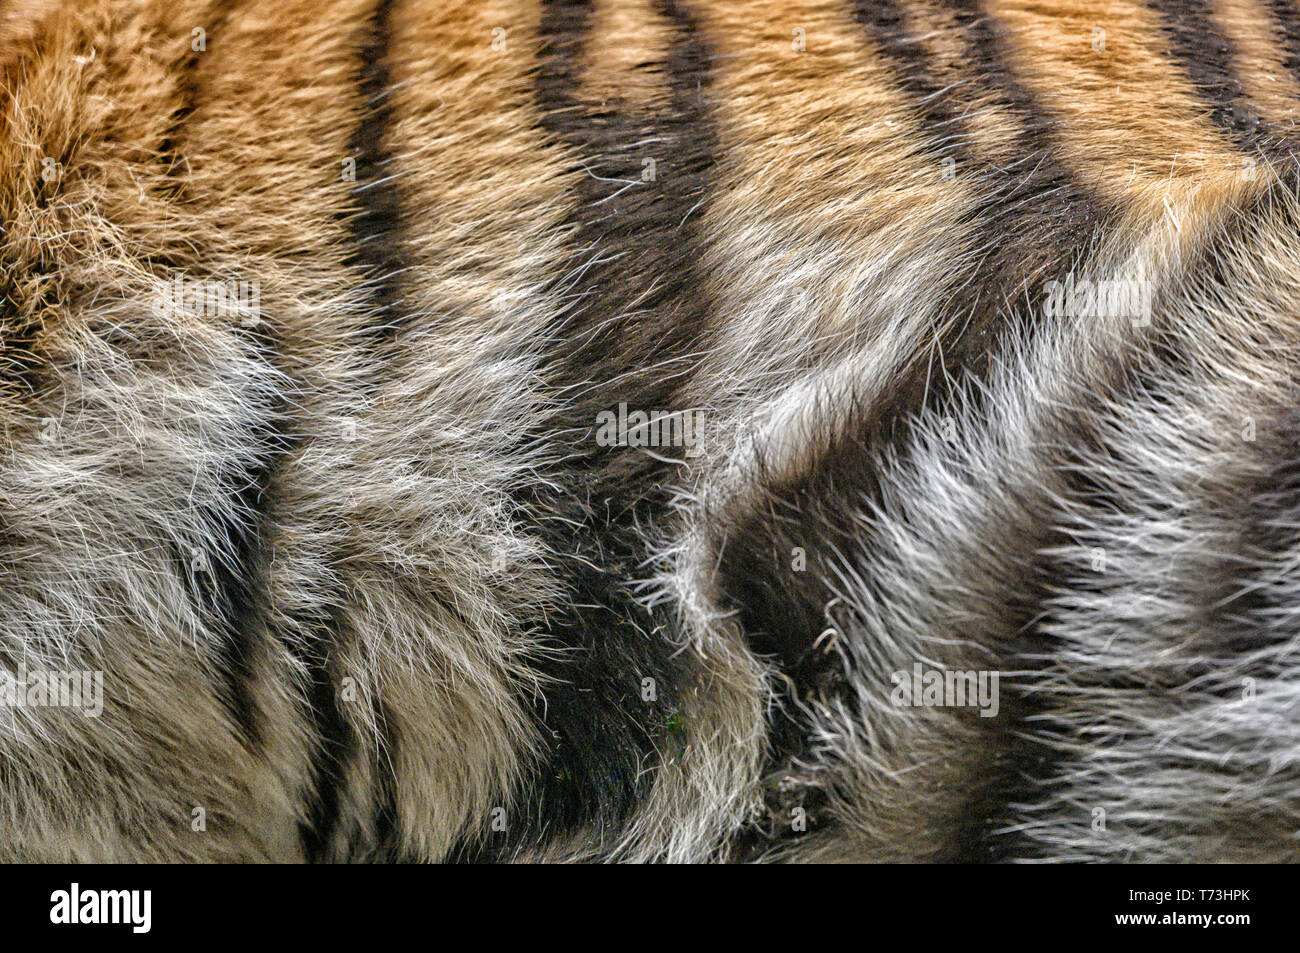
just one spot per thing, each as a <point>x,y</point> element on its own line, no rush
<point>362,574</point>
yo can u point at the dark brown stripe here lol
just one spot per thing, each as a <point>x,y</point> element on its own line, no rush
<point>231,591</point>
<point>1044,208</point>
<point>376,228</point>
<point>336,743</point>
<point>188,85</point>
<point>387,837</point>
<point>1025,194</point>
<point>1206,56</point>
<point>1034,219</point>
<point>939,109</point>
<point>636,314</point>
<point>1287,17</point>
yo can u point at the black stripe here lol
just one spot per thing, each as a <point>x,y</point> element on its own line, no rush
<point>1234,615</point>
<point>1286,18</point>
<point>636,315</point>
<point>1206,56</point>
<point>1034,219</point>
<point>188,83</point>
<point>1025,194</point>
<point>939,110</point>
<point>336,743</point>
<point>230,585</point>
<point>388,844</point>
<point>1044,208</point>
<point>1240,605</point>
<point>1229,616</point>
<point>376,229</point>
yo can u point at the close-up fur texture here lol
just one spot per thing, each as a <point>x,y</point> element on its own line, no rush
<point>649,430</point>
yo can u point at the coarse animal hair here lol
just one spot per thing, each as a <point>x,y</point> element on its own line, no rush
<point>327,330</point>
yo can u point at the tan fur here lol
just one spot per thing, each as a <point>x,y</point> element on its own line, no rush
<point>1270,88</point>
<point>1128,143</point>
<point>625,63</point>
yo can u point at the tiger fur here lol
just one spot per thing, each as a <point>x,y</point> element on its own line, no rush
<point>362,582</point>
